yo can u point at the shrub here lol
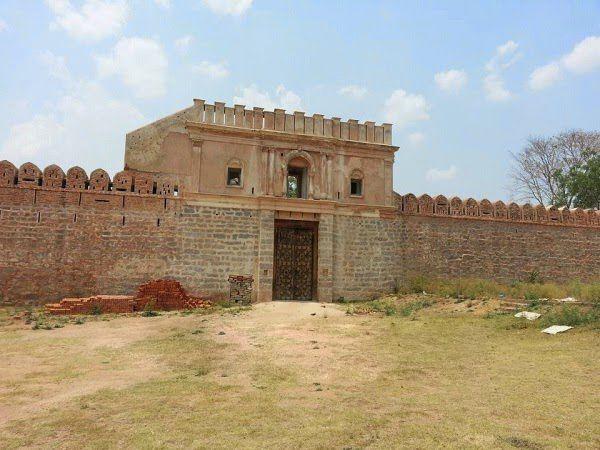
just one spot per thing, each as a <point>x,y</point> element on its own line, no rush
<point>96,310</point>
<point>571,316</point>
<point>149,310</point>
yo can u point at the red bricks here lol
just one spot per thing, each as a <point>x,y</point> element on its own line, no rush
<point>162,295</point>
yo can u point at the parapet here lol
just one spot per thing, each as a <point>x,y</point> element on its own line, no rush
<point>76,179</point>
<point>425,205</point>
<point>294,123</point>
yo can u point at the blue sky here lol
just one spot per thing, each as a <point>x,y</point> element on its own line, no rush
<point>464,83</point>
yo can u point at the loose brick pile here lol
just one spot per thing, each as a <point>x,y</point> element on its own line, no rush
<point>163,295</point>
<point>167,295</point>
<point>240,289</point>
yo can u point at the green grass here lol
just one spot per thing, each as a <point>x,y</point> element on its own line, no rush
<point>472,288</point>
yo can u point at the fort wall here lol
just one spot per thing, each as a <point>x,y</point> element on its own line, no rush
<point>70,235</point>
<point>106,237</point>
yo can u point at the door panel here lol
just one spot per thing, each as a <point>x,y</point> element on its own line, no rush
<point>294,263</point>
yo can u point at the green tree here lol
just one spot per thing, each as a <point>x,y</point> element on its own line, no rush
<point>557,170</point>
<point>582,182</point>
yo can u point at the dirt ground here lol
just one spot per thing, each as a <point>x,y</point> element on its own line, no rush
<point>300,375</point>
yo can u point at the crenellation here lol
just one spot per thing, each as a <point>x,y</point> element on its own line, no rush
<point>8,173</point>
<point>29,174</point>
<point>53,176</point>
<point>99,180</point>
<point>219,113</point>
<point>299,122</point>
<point>295,123</point>
<point>425,205</point>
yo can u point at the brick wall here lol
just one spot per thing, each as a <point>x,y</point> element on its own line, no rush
<point>371,254</point>
<point>502,251</point>
<point>57,243</point>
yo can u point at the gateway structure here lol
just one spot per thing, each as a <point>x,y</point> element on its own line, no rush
<point>303,203</point>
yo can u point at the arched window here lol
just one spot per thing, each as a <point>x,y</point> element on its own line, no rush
<point>297,178</point>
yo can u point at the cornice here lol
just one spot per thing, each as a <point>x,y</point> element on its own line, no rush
<point>271,138</point>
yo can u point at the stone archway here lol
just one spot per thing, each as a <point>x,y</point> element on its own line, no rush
<point>298,175</point>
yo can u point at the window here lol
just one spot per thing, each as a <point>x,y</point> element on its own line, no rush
<point>234,176</point>
<point>356,187</point>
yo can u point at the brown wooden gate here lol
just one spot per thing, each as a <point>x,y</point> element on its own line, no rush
<point>295,260</point>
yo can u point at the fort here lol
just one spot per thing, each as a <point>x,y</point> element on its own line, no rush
<point>303,204</point>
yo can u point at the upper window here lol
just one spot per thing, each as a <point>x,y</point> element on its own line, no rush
<point>234,176</point>
<point>356,183</point>
<point>356,187</point>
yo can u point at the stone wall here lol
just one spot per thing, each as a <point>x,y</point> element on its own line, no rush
<point>503,251</point>
<point>367,256</point>
<point>70,236</point>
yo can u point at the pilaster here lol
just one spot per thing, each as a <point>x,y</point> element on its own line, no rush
<point>325,250</point>
<point>266,255</point>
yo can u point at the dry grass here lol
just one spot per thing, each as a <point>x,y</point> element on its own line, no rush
<point>444,374</point>
<point>472,288</point>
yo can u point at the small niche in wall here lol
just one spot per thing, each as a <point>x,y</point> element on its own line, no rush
<point>123,220</point>
<point>75,218</point>
<point>39,217</point>
<point>158,222</point>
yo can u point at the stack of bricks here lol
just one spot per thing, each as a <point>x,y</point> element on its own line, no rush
<point>108,304</point>
<point>240,289</point>
<point>167,295</point>
<point>163,295</point>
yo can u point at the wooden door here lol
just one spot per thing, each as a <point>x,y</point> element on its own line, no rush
<point>295,251</point>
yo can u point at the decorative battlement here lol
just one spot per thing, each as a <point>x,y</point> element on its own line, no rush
<point>425,205</point>
<point>76,179</point>
<point>296,123</point>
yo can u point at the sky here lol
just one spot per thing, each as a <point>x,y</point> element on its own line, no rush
<point>464,83</point>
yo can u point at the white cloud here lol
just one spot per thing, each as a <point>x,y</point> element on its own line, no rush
<point>140,63</point>
<point>353,91</point>
<point>545,76</point>
<point>95,20</point>
<point>585,56</point>
<point>416,139</point>
<point>183,43</point>
<point>435,174</point>
<point>3,25</point>
<point>228,7</point>
<point>163,3</point>
<point>495,89</point>
<point>85,127</point>
<point>283,98</point>
<point>212,70</point>
<point>28,139</point>
<point>451,81</point>
<point>506,55</point>
<point>402,108</point>
<point>55,65</point>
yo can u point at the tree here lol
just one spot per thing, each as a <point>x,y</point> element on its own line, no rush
<point>582,182</point>
<point>541,169</point>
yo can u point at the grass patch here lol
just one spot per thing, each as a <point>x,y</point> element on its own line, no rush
<point>572,316</point>
<point>531,289</point>
<point>388,307</point>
